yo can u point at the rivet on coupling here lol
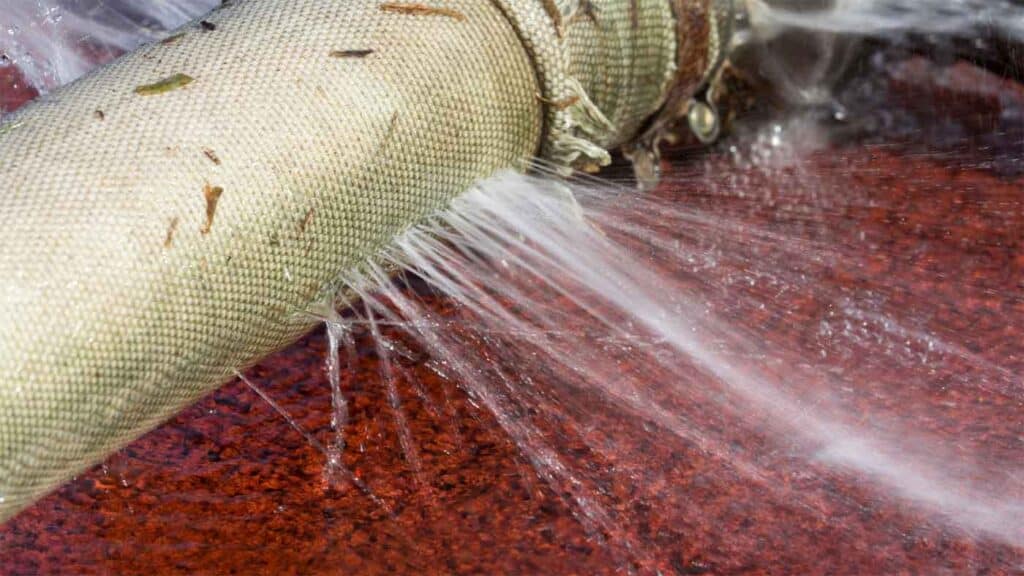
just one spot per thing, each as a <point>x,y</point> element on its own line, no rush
<point>704,120</point>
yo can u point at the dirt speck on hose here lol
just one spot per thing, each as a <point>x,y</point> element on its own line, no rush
<point>212,195</point>
<point>166,85</point>
<point>171,229</point>
<point>559,104</point>
<point>421,10</point>
<point>351,53</point>
<point>586,10</point>
<point>306,220</point>
<point>391,130</point>
<point>209,153</point>
<point>173,38</point>
<point>555,13</point>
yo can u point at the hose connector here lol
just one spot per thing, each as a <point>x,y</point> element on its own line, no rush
<point>705,31</point>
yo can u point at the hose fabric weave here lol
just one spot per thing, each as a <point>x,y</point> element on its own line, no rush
<point>176,214</point>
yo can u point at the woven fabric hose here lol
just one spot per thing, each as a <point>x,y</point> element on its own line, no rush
<point>175,215</point>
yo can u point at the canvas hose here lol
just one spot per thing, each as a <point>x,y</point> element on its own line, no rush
<point>175,215</point>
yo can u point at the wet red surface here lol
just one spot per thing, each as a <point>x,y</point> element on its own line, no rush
<point>229,487</point>
<point>14,91</point>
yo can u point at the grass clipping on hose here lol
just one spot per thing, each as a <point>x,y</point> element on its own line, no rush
<point>175,216</point>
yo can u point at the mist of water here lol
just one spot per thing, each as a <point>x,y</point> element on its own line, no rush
<point>887,17</point>
<point>804,48</point>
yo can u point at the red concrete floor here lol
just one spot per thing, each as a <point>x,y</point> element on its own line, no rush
<point>917,196</point>
<point>14,91</point>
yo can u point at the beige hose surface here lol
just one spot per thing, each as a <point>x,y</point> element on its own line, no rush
<point>175,215</point>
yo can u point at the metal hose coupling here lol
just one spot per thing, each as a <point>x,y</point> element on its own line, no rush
<point>704,32</point>
<point>616,72</point>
